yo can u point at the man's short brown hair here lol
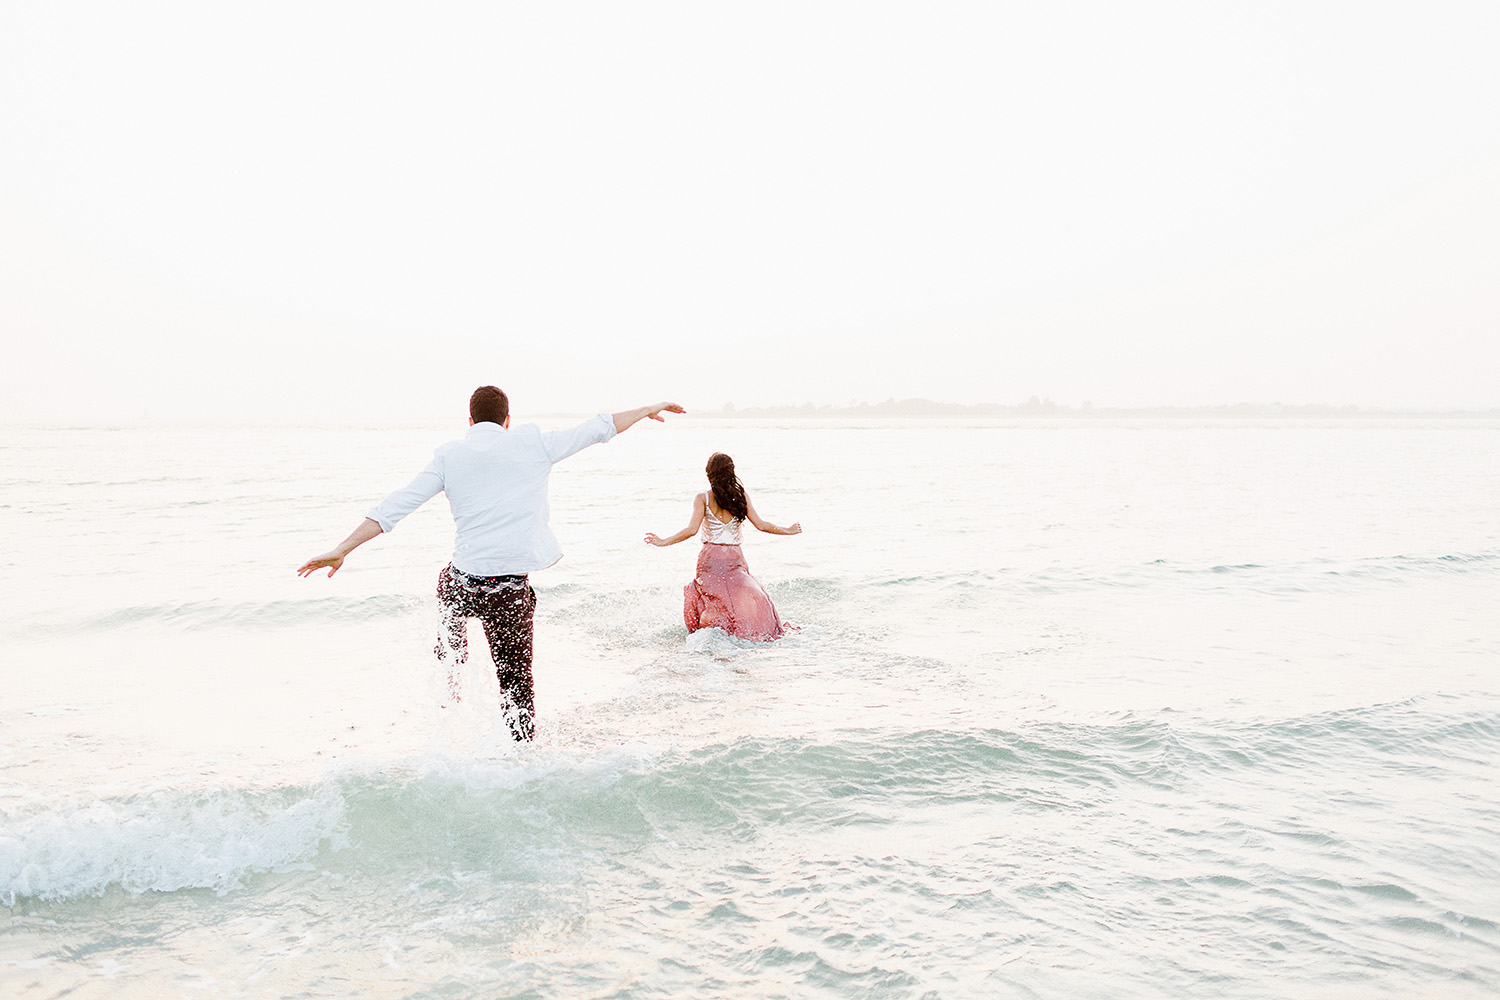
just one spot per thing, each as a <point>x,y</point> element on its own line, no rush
<point>488,404</point>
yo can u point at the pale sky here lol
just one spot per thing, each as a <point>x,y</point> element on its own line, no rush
<point>299,210</point>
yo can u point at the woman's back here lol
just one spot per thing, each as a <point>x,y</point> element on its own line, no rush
<point>719,526</point>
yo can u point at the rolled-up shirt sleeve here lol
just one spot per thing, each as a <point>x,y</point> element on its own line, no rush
<point>595,430</point>
<point>427,484</point>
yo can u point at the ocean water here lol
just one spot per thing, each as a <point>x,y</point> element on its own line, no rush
<point>1089,708</point>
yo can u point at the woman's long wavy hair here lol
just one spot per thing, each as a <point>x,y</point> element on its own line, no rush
<point>729,492</point>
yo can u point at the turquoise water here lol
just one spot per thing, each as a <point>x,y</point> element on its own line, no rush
<point>1130,709</point>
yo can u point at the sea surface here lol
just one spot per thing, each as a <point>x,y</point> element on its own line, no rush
<point>1076,708</point>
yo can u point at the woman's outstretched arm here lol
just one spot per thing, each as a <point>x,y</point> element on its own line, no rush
<point>694,523</point>
<point>767,526</point>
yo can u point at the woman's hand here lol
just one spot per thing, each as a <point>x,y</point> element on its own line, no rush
<point>694,523</point>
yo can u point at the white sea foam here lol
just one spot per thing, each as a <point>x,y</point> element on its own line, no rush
<point>163,842</point>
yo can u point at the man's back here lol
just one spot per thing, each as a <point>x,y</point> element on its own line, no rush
<point>496,483</point>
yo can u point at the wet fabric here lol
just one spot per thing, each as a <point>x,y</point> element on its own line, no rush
<point>724,595</point>
<point>505,607</point>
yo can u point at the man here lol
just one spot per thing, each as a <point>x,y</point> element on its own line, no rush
<point>496,482</point>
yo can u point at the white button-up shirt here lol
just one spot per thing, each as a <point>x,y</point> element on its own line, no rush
<point>496,482</point>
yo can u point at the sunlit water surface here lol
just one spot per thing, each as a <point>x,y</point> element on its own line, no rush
<point>1075,709</point>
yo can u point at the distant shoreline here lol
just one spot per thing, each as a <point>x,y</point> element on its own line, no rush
<point>891,409</point>
<point>1047,408</point>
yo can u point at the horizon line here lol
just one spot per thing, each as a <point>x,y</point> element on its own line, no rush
<point>913,407</point>
<point>1042,406</point>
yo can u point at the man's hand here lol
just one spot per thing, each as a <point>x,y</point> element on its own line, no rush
<point>626,419</point>
<point>333,560</point>
<point>669,407</point>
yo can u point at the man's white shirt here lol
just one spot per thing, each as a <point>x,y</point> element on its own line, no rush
<point>496,483</point>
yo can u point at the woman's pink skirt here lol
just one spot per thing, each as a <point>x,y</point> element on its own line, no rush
<point>724,595</point>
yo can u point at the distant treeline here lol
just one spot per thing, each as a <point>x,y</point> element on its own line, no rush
<point>1037,407</point>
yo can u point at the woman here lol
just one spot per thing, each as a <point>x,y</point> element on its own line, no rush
<point>724,594</point>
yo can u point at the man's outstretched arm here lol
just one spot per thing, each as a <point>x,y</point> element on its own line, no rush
<point>385,515</point>
<point>626,419</point>
<point>334,558</point>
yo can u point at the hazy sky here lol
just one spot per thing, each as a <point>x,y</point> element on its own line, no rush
<point>298,209</point>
